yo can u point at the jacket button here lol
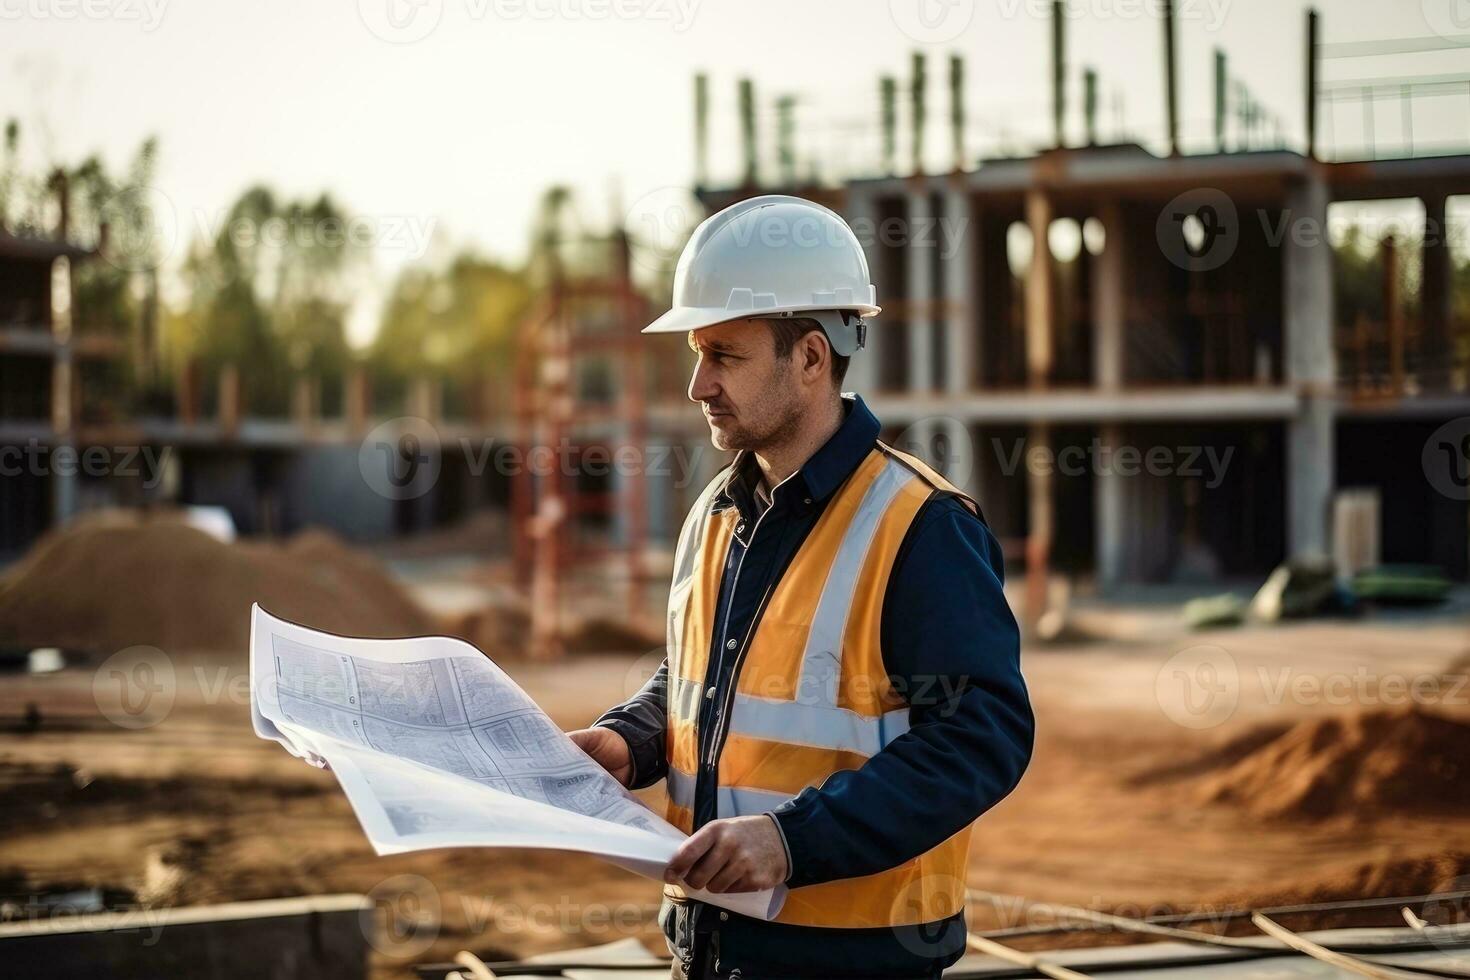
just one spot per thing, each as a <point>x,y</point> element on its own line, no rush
<point>730,643</point>
<point>739,528</point>
<point>709,695</point>
<point>724,916</point>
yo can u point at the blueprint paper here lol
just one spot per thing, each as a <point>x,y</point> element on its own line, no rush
<point>436,746</point>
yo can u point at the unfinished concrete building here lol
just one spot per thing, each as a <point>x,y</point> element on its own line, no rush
<point>1228,361</point>
<point>1153,366</point>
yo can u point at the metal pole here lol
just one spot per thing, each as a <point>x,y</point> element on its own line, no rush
<point>1089,104</point>
<point>916,95</point>
<point>1222,76</point>
<point>1171,95</point>
<point>701,129</point>
<point>888,102</point>
<point>957,109</point>
<point>1058,72</point>
<point>786,138</point>
<point>1311,84</point>
<point>747,130</point>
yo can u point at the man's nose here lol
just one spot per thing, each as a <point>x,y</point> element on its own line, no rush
<point>701,385</point>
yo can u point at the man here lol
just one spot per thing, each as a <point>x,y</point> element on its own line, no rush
<point>842,696</point>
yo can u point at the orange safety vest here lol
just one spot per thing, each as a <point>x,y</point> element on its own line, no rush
<point>811,694</point>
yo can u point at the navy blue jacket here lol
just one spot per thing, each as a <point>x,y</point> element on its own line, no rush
<point>950,645</point>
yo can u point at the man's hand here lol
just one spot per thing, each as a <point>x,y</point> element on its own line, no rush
<point>608,749</point>
<point>738,854</point>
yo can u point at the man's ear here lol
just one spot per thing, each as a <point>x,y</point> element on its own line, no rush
<point>816,355</point>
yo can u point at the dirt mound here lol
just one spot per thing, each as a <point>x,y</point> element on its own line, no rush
<point>504,633</point>
<point>600,634</point>
<point>1447,871</point>
<point>103,584</point>
<point>1375,762</point>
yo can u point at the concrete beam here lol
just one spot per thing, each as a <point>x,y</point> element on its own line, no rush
<point>1199,404</point>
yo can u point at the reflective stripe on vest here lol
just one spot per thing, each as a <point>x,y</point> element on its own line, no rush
<point>812,695</point>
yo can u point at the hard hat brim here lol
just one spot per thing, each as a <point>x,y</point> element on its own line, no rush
<point>682,319</point>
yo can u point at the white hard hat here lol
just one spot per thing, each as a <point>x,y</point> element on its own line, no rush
<point>773,256</point>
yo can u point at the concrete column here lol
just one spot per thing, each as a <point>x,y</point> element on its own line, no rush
<point>1039,277</point>
<point>1108,310</point>
<point>1109,511</point>
<point>1039,332</point>
<point>1041,507</point>
<point>356,398</point>
<point>63,393</point>
<point>862,214</point>
<point>228,412</point>
<point>304,395</point>
<point>1436,298</point>
<point>919,244</point>
<point>1312,370</point>
<point>959,239</point>
<point>1109,301</point>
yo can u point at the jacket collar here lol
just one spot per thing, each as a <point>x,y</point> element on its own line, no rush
<point>820,476</point>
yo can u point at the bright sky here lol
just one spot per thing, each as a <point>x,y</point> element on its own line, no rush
<point>457,124</point>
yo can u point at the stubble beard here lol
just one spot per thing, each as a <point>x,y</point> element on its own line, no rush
<point>783,421</point>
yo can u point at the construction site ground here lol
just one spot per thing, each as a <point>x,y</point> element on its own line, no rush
<point>1131,804</point>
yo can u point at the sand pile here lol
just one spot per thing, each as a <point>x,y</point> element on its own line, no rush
<point>117,580</point>
<point>1375,762</point>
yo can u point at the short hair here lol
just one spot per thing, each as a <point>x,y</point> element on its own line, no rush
<point>786,331</point>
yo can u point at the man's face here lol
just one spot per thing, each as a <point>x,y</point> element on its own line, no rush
<point>751,398</point>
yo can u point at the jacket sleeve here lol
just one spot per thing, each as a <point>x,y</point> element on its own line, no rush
<point>641,721</point>
<point>952,647</point>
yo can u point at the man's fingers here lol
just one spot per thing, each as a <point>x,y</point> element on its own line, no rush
<point>690,851</point>
<point>728,878</point>
<point>711,864</point>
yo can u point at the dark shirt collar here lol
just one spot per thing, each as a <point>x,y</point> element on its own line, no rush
<point>820,475</point>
